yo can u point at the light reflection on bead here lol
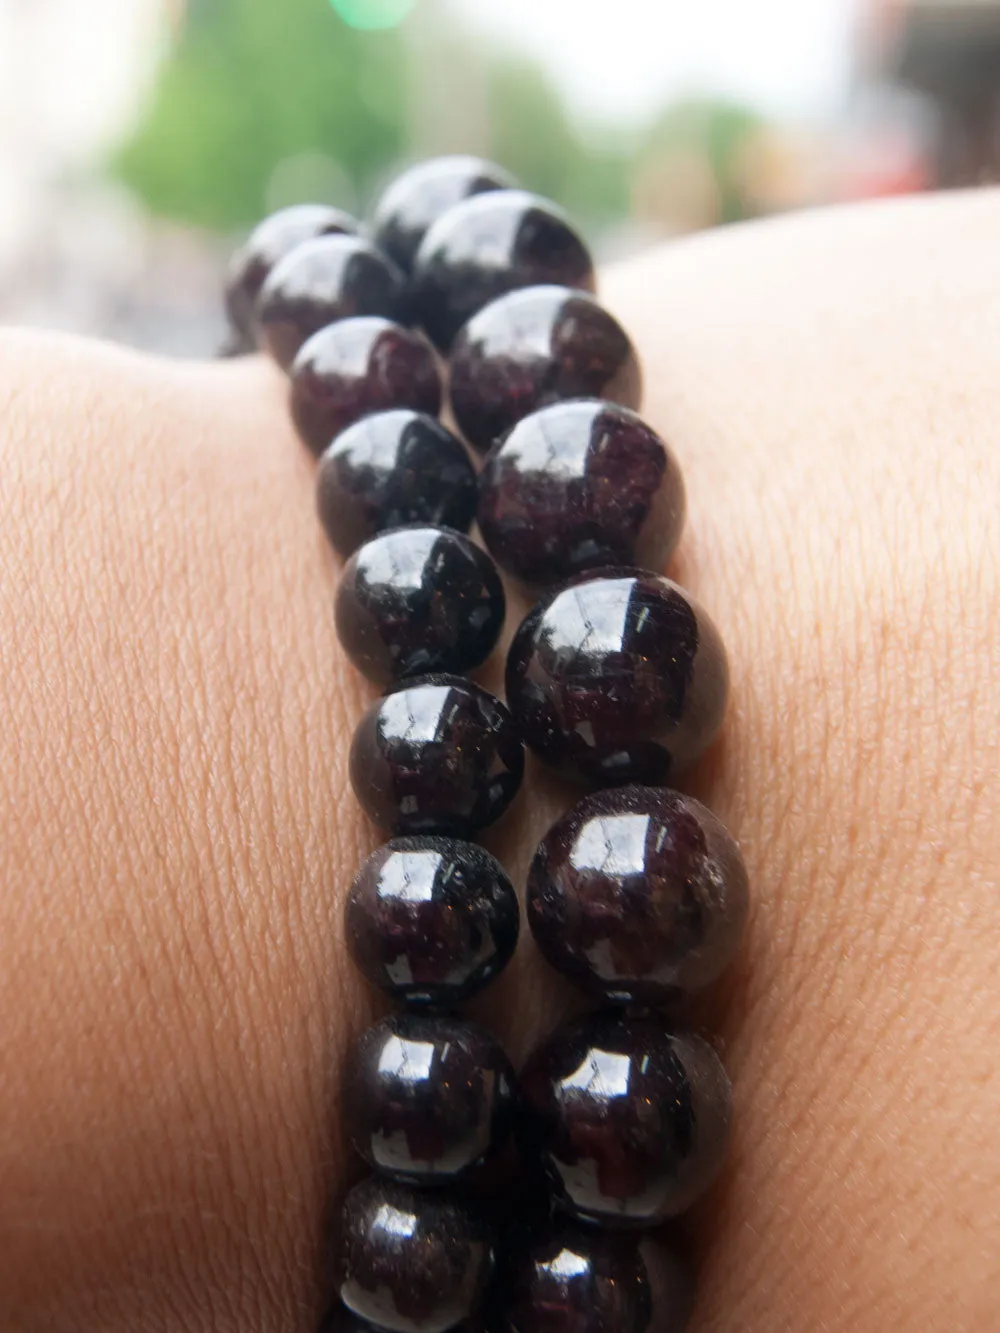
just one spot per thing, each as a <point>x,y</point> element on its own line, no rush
<point>618,677</point>
<point>269,243</point>
<point>631,1120</point>
<point>356,367</point>
<point>437,755</point>
<point>418,197</point>
<point>572,1279</point>
<point>533,347</point>
<point>415,1261</point>
<point>418,600</point>
<point>638,893</point>
<point>428,1097</point>
<point>323,281</point>
<point>578,486</point>
<point>431,920</point>
<point>488,245</point>
<point>389,469</point>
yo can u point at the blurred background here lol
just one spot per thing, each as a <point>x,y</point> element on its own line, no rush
<point>140,138</point>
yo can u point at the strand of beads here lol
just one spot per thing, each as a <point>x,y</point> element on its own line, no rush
<point>616,676</point>
<point>638,894</point>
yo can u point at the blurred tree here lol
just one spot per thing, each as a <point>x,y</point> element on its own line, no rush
<point>531,134</point>
<point>713,135</point>
<point>252,83</point>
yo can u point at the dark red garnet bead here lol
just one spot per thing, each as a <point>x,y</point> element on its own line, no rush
<point>320,282</point>
<point>356,367</point>
<point>575,1279</point>
<point>269,243</point>
<point>391,469</point>
<point>431,920</point>
<point>638,893</point>
<point>437,755</point>
<point>420,195</point>
<point>619,677</point>
<point>532,347</point>
<point>488,245</point>
<point>415,1261</point>
<point>578,486</point>
<point>631,1121</point>
<point>419,600</point>
<point>428,1097</point>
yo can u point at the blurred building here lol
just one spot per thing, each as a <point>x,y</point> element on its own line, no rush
<point>197,119</point>
<point>70,74</point>
<point>75,250</point>
<point>946,52</point>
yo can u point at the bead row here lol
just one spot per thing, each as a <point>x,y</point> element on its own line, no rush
<point>616,677</point>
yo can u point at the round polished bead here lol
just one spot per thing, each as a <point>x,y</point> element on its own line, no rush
<point>419,600</point>
<point>431,920</point>
<point>577,486</point>
<point>574,1279</point>
<point>638,893</point>
<point>631,1121</point>
<point>488,245</point>
<point>390,469</point>
<point>437,755</point>
<point>320,282</point>
<point>269,243</point>
<point>414,1261</point>
<point>428,1097</point>
<point>420,195</point>
<point>618,677</point>
<point>356,367</point>
<point>532,347</point>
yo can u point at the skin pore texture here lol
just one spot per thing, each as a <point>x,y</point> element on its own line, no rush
<point>177,833</point>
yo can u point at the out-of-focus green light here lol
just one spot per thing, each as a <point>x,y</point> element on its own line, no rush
<point>373,15</point>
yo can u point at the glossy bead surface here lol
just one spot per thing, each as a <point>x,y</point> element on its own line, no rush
<point>269,242</point>
<point>419,600</point>
<point>579,486</point>
<point>574,1279</point>
<point>431,920</point>
<point>320,282</point>
<point>638,893</point>
<point>532,347</point>
<point>618,677</point>
<point>356,367</point>
<point>428,1097</point>
<point>631,1121</point>
<point>390,469</point>
<point>488,245</point>
<point>414,1261</point>
<point>437,755</point>
<point>420,195</point>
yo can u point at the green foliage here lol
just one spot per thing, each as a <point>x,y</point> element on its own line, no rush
<point>252,83</point>
<point>532,135</point>
<point>373,15</point>
<point>713,129</point>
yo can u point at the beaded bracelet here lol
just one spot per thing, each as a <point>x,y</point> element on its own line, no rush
<point>616,678</point>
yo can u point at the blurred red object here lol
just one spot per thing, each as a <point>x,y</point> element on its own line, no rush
<point>887,164</point>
